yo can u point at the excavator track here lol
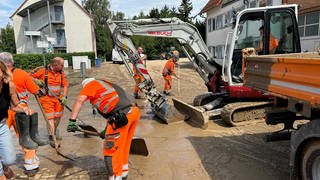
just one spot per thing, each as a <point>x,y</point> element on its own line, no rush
<point>243,113</point>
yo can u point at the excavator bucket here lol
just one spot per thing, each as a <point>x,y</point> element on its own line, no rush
<point>194,115</point>
<point>168,114</point>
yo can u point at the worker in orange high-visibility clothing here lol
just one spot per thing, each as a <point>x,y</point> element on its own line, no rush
<point>169,71</point>
<point>54,81</point>
<point>273,42</point>
<point>138,77</point>
<point>122,118</point>
<point>26,127</point>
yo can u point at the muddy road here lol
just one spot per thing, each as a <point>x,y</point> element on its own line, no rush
<point>177,151</point>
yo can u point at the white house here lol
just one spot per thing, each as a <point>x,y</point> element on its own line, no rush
<point>219,22</point>
<point>53,26</point>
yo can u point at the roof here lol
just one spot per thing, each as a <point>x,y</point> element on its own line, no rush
<point>36,5</point>
<point>211,4</point>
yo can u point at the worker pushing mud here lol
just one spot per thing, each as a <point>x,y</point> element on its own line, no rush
<point>122,118</point>
<point>169,71</point>
<point>53,80</point>
<point>138,94</point>
<point>25,126</point>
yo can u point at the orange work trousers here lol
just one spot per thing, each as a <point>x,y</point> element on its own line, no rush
<point>31,161</point>
<point>51,106</point>
<point>121,139</point>
<point>167,82</point>
<point>138,79</point>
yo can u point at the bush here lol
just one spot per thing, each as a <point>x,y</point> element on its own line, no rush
<point>31,61</point>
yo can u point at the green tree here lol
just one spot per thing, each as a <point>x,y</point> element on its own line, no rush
<point>7,42</point>
<point>165,12</point>
<point>154,13</point>
<point>173,12</point>
<point>100,11</point>
<point>117,16</point>
<point>184,10</point>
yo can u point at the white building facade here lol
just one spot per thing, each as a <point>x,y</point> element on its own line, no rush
<point>53,26</point>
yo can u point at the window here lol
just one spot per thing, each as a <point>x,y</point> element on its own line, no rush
<point>281,28</point>
<point>219,22</point>
<point>309,24</point>
<point>213,24</point>
<point>209,25</point>
<point>219,50</point>
<point>228,19</point>
<point>248,35</point>
<point>212,50</point>
<point>58,12</point>
<point>253,4</point>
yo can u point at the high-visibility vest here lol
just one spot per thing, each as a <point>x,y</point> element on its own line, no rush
<point>106,97</point>
<point>24,84</point>
<point>168,68</point>
<point>54,81</point>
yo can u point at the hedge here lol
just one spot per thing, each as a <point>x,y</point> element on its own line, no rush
<point>31,61</point>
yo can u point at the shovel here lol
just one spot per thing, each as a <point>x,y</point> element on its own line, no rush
<point>56,145</point>
<point>138,145</point>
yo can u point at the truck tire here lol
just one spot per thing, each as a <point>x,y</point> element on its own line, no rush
<point>310,162</point>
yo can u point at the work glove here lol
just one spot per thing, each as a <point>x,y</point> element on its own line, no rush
<point>39,83</point>
<point>72,126</point>
<point>103,133</point>
<point>63,100</point>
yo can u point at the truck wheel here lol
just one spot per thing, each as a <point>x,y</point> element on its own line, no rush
<point>310,165</point>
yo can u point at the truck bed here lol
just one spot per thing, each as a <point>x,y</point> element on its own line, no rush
<point>291,76</point>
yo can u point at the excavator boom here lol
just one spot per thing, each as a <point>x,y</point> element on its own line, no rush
<point>185,33</point>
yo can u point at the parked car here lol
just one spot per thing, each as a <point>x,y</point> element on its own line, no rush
<point>116,58</point>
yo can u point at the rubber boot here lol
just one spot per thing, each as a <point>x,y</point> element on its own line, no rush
<point>7,171</point>
<point>34,133</point>
<point>32,172</point>
<point>23,126</point>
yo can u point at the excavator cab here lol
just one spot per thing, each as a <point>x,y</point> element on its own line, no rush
<point>254,27</point>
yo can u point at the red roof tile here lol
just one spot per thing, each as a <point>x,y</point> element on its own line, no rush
<point>211,4</point>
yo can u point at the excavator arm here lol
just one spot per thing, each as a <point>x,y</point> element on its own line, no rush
<point>191,43</point>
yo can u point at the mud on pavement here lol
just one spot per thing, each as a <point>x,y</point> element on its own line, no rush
<point>177,151</point>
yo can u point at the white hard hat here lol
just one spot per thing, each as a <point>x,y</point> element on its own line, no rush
<point>86,81</point>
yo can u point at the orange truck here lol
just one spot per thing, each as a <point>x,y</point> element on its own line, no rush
<point>294,81</point>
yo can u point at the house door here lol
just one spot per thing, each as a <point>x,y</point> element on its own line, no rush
<point>61,40</point>
<point>58,12</point>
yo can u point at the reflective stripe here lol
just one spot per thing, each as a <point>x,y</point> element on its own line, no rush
<point>50,114</point>
<point>23,94</point>
<point>108,91</point>
<point>105,108</point>
<point>141,66</point>
<point>24,101</point>
<point>54,88</point>
<point>125,167</point>
<point>296,86</point>
<point>58,113</point>
<point>32,163</point>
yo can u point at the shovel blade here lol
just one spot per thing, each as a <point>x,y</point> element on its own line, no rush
<point>88,128</point>
<point>139,147</point>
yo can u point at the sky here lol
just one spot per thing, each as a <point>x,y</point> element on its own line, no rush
<point>129,7</point>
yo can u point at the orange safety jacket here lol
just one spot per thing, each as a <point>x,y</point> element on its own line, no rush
<point>24,84</point>
<point>273,43</point>
<point>55,80</point>
<point>168,68</point>
<point>102,95</point>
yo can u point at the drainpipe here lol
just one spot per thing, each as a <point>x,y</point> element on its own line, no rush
<point>49,15</point>
<point>29,22</point>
